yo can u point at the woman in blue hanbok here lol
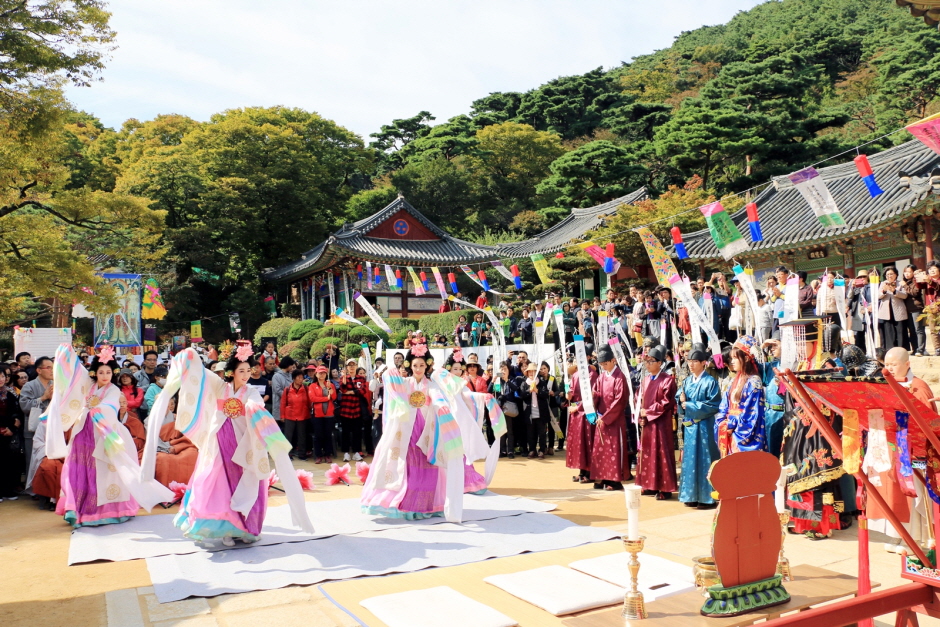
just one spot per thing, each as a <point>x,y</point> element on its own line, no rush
<point>698,400</point>
<point>739,425</point>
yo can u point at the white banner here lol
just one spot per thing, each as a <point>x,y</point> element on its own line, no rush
<point>373,315</point>
<point>584,379</point>
<point>332,280</point>
<point>685,294</point>
<point>813,189</point>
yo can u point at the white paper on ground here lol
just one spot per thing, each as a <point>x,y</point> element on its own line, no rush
<point>151,536</point>
<point>408,549</point>
<point>658,578</point>
<point>558,590</point>
<point>434,607</point>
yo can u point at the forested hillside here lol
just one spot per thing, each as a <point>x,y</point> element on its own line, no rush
<point>206,206</point>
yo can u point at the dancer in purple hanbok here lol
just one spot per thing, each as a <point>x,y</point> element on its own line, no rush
<point>100,481</point>
<point>228,493</point>
<point>418,469</point>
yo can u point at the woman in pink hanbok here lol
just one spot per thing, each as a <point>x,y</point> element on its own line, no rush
<point>100,481</point>
<point>418,469</point>
<point>226,420</point>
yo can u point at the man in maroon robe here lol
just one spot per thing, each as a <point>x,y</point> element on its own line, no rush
<point>657,473</point>
<point>609,454</point>
<point>580,436</point>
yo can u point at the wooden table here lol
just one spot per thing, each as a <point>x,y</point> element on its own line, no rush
<point>810,586</point>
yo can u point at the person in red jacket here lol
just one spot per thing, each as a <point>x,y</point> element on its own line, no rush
<point>295,412</point>
<point>475,380</point>
<point>133,394</point>
<point>322,395</point>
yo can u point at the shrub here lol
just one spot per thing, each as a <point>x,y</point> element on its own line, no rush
<point>352,351</point>
<point>362,334</point>
<point>397,338</point>
<point>319,347</point>
<point>307,340</point>
<point>276,327</point>
<point>444,323</point>
<point>340,331</point>
<point>398,324</point>
<point>299,355</point>
<point>286,348</point>
<point>302,328</point>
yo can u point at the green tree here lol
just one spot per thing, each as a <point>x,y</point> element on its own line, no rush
<point>592,174</point>
<point>910,77</point>
<point>392,138</point>
<point>571,106</point>
<point>47,38</point>
<point>438,188</point>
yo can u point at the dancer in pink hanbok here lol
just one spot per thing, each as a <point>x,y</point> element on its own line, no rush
<point>228,494</point>
<point>100,481</point>
<point>418,469</point>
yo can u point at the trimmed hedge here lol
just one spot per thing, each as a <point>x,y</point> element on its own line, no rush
<point>399,324</point>
<point>276,327</point>
<point>307,340</point>
<point>302,328</point>
<point>286,349</point>
<point>367,334</point>
<point>444,323</point>
<point>319,347</point>
<point>300,356</point>
<point>352,351</point>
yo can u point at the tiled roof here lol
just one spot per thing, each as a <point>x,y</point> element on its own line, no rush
<point>928,9</point>
<point>787,221</point>
<point>350,241</point>
<point>573,227</point>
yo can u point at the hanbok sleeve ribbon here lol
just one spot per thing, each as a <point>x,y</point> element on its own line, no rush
<point>904,448</point>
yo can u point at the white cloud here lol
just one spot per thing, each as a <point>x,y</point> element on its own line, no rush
<point>364,62</point>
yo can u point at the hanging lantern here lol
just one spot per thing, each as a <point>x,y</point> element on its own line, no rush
<point>398,281</point>
<point>378,277</point>
<point>559,255</point>
<point>453,282</point>
<point>484,280</point>
<point>753,222</point>
<point>677,242</point>
<point>865,171</point>
<point>516,279</point>
<point>424,280</point>
<point>359,270</point>
<point>609,258</point>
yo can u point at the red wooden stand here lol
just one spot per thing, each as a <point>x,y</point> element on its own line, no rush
<point>922,596</point>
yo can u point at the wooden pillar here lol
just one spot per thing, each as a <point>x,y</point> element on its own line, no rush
<point>404,299</point>
<point>928,236</point>
<point>701,269</point>
<point>848,258</point>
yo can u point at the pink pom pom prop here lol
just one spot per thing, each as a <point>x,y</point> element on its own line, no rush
<point>305,478</point>
<point>419,350</point>
<point>244,352</point>
<point>362,470</point>
<point>337,473</point>
<point>178,489</point>
<point>272,479</point>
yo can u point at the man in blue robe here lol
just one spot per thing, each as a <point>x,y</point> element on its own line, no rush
<point>698,400</point>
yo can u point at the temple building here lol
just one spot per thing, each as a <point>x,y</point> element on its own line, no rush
<point>897,227</point>
<point>399,236</point>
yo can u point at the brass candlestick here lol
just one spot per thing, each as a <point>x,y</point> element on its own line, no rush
<point>633,605</point>
<point>783,564</point>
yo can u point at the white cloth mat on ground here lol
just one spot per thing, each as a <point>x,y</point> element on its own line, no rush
<point>410,548</point>
<point>658,577</point>
<point>434,607</point>
<point>558,590</point>
<point>151,536</point>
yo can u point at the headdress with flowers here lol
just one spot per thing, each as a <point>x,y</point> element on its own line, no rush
<point>244,351</point>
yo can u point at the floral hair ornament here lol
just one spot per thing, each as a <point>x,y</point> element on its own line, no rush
<point>419,350</point>
<point>243,352</point>
<point>457,357</point>
<point>106,353</point>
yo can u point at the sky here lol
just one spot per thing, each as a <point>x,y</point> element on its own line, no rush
<point>363,63</point>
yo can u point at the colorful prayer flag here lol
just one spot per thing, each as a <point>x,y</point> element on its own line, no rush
<point>726,235</point>
<point>927,131</point>
<point>541,268</point>
<point>598,255</point>
<point>516,279</point>
<point>753,222</point>
<point>502,270</point>
<point>419,284</point>
<point>677,243</point>
<point>195,331</point>
<point>440,282</point>
<point>813,189</point>
<point>153,307</point>
<point>659,259</point>
<point>868,176</point>
<point>370,311</point>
